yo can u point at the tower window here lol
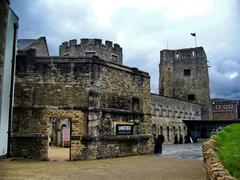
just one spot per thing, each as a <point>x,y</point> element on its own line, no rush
<point>114,58</point>
<point>177,55</point>
<point>90,53</point>
<point>187,72</point>
<point>193,53</point>
<point>191,97</point>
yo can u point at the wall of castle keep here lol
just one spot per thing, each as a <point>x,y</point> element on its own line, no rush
<point>167,115</point>
<point>184,76</point>
<point>98,94</point>
<point>92,47</point>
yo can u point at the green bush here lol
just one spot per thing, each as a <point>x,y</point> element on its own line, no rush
<point>228,148</point>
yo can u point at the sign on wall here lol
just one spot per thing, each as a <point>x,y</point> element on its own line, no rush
<point>124,129</point>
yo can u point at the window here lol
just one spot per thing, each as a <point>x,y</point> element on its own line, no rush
<point>193,53</point>
<point>177,55</point>
<point>187,72</point>
<point>217,106</point>
<point>114,58</point>
<point>161,130</point>
<point>154,130</point>
<point>168,137</point>
<point>90,53</point>
<point>191,97</point>
<point>230,106</point>
<point>135,104</point>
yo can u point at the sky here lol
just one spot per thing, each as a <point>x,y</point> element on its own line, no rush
<point>143,28</point>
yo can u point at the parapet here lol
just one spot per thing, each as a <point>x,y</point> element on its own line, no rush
<point>186,53</point>
<point>92,47</point>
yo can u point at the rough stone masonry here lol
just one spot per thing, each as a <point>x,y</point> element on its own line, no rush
<point>109,106</point>
<point>99,96</point>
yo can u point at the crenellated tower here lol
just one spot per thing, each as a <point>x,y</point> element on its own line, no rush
<point>92,47</point>
<point>184,76</point>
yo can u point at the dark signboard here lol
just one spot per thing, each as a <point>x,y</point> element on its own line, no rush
<point>124,129</point>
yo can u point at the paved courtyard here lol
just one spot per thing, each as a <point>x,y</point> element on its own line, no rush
<point>58,153</point>
<point>133,167</point>
<point>185,151</point>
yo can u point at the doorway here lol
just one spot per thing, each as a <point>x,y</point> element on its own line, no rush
<point>59,139</point>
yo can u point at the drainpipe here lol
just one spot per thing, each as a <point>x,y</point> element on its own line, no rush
<point>11,87</point>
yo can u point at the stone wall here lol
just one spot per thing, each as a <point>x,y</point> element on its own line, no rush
<point>184,76</point>
<point>107,94</point>
<point>92,47</point>
<point>31,131</point>
<point>212,166</point>
<point>167,115</point>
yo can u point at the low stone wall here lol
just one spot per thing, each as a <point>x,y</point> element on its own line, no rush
<point>212,166</point>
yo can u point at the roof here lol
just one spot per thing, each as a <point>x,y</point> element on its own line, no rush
<point>25,43</point>
<point>224,100</point>
<point>207,121</point>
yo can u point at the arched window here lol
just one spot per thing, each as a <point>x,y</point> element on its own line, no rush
<point>161,130</point>
<point>174,130</point>
<point>184,130</point>
<point>154,130</point>
<point>64,125</point>
<point>179,129</point>
<point>135,104</point>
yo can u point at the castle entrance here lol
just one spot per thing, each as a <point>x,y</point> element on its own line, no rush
<point>59,139</point>
<point>64,130</point>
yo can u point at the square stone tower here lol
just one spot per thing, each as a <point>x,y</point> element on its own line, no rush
<point>184,76</point>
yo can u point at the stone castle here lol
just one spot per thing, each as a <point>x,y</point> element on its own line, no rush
<point>184,75</point>
<point>108,106</point>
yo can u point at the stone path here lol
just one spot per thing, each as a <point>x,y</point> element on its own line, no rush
<point>184,151</point>
<point>58,153</point>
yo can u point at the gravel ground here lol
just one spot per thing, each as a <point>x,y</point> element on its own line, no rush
<point>133,167</point>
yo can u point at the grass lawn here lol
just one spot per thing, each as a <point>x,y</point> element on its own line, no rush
<point>228,147</point>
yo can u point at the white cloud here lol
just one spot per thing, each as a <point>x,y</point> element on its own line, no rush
<point>143,28</point>
<point>233,75</point>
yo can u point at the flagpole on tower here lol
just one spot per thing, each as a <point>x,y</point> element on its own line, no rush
<point>195,37</point>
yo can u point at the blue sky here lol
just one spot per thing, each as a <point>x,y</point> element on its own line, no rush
<point>143,28</point>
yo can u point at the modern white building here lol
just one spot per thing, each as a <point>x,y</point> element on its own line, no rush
<point>8,36</point>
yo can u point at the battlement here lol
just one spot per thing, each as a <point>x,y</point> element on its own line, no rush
<point>187,53</point>
<point>92,47</point>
